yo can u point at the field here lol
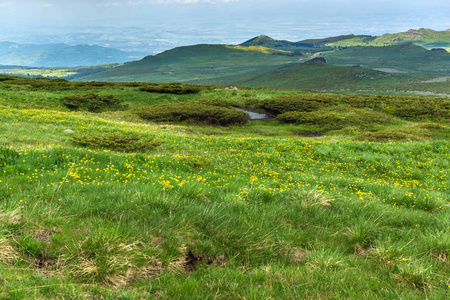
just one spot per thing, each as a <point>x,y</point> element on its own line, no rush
<point>351,204</point>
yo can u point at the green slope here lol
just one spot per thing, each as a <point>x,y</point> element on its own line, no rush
<point>403,58</point>
<point>315,77</point>
<point>198,64</point>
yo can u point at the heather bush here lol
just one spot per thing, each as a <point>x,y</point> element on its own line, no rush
<point>93,102</point>
<point>172,88</point>
<point>192,112</point>
<point>117,142</point>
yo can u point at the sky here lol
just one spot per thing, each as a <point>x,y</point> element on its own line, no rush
<point>158,24</point>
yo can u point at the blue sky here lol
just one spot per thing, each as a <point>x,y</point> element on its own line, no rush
<point>227,21</point>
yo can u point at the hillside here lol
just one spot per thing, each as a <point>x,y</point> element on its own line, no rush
<point>402,58</point>
<point>317,77</point>
<point>426,38</point>
<point>61,55</point>
<point>204,64</point>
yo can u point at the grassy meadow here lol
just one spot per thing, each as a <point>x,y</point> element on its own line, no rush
<point>347,197</point>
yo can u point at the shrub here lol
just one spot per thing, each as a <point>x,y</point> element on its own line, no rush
<point>192,112</point>
<point>285,104</point>
<point>92,102</point>
<point>392,135</point>
<point>330,119</point>
<point>433,126</point>
<point>336,117</point>
<point>117,142</point>
<point>172,88</point>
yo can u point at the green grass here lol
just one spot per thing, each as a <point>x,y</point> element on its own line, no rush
<point>252,212</point>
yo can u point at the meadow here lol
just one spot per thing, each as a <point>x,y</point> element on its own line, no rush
<point>353,208</point>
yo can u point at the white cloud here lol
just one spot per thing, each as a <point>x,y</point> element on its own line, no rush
<point>46,5</point>
<point>188,1</point>
<point>6,4</point>
<point>110,4</point>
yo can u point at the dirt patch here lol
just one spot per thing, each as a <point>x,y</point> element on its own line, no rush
<point>44,235</point>
<point>297,255</point>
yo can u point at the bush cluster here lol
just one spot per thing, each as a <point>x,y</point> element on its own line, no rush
<point>191,112</point>
<point>408,108</point>
<point>393,135</point>
<point>92,102</point>
<point>336,117</point>
<point>117,142</point>
<point>172,88</point>
<point>283,104</point>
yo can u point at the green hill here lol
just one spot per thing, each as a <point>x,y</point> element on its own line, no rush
<point>268,42</point>
<point>199,64</point>
<point>426,38</point>
<point>315,77</point>
<point>403,58</point>
<point>342,38</point>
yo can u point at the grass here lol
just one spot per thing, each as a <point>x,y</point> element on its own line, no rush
<point>255,211</point>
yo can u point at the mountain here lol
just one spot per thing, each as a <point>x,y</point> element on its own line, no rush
<point>330,41</point>
<point>426,38</point>
<point>268,42</point>
<point>205,64</point>
<point>56,55</point>
<point>16,47</point>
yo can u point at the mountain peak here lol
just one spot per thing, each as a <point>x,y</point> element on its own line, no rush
<point>258,41</point>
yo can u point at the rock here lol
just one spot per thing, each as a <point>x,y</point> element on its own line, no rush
<point>316,61</point>
<point>69,131</point>
<point>233,88</point>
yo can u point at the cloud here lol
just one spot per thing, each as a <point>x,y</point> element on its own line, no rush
<point>46,5</point>
<point>6,4</point>
<point>188,1</point>
<point>110,4</point>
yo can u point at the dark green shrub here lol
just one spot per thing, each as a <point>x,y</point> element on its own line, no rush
<point>433,126</point>
<point>92,102</point>
<point>330,119</point>
<point>117,142</point>
<point>285,104</point>
<point>192,112</point>
<point>392,135</point>
<point>172,88</point>
<point>336,117</point>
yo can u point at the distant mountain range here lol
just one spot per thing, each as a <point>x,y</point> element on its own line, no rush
<point>58,55</point>
<point>426,38</point>
<point>404,60</point>
<point>263,56</point>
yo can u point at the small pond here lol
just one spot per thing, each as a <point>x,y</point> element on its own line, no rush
<point>254,115</point>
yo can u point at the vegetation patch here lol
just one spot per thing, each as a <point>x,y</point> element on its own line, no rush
<point>117,142</point>
<point>279,105</point>
<point>194,113</point>
<point>336,117</point>
<point>172,88</point>
<point>93,102</point>
<point>394,135</point>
